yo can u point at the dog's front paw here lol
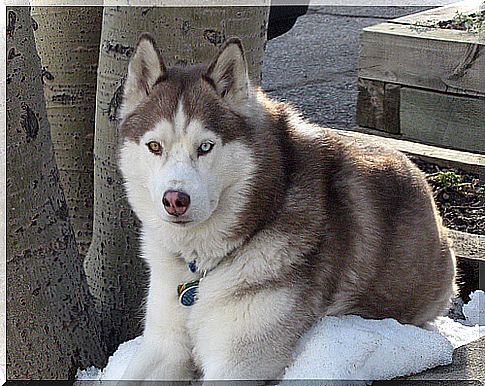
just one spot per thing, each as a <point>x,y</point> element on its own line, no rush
<point>151,364</point>
<point>167,372</point>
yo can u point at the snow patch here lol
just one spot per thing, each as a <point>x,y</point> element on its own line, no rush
<point>474,310</point>
<point>3,376</point>
<point>116,366</point>
<point>458,333</point>
<point>352,348</point>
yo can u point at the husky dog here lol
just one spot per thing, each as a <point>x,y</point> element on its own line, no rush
<point>255,223</point>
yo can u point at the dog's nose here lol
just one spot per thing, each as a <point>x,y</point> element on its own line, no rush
<point>175,203</point>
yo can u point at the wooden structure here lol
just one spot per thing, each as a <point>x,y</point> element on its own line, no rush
<point>423,82</point>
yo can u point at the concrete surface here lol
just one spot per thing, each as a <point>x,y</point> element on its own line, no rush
<point>314,66</point>
<point>468,365</point>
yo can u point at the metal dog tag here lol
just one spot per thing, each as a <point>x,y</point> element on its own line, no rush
<point>188,292</point>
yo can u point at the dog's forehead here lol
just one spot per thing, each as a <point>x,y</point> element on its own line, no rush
<point>182,96</point>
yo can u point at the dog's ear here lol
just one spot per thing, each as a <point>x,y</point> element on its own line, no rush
<point>229,73</point>
<point>145,68</point>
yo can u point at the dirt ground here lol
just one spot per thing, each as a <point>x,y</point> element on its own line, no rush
<point>474,22</point>
<point>460,197</point>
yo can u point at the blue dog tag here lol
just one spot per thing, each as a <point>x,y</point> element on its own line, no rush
<point>188,293</point>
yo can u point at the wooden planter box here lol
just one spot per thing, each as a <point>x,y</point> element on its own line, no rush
<point>425,83</point>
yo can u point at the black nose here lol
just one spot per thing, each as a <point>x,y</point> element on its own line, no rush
<point>175,203</point>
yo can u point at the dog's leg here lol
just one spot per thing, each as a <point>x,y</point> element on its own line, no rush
<point>165,353</point>
<point>250,338</point>
<point>257,370</point>
<point>157,359</point>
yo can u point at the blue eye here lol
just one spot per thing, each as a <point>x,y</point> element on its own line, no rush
<point>205,148</point>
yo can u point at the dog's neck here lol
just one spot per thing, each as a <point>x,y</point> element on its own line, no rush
<point>205,260</point>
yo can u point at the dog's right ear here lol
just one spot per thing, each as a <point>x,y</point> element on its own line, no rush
<point>145,68</point>
<point>229,73</point>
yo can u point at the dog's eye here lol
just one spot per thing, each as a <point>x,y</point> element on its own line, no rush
<point>205,148</point>
<point>154,147</point>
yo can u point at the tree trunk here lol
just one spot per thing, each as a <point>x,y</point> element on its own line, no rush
<point>116,274</point>
<point>50,323</point>
<point>67,40</point>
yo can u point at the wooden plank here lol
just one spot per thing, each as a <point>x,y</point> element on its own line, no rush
<point>378,105</point>
<point>443,35</point>
<point>432,16</point>
<point>392,108</point>
<point>436,59</point>
<point>468,162</point>
<point>370,104</point>
<point>444,120</point>
<point>467,245</point>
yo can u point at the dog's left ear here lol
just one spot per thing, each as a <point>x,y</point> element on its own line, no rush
<point>145,68</point>
<point>229,73</point>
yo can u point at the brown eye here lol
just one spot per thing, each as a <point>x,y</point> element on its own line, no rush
<point>154,147</point>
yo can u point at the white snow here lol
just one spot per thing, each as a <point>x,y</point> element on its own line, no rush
<point>353,348</point>
<point>458,334</point>
<point>3,377</point>
<point>474,310</point>
<point>116,363</point>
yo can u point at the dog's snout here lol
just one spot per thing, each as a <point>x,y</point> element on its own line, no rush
<point>176,203</point>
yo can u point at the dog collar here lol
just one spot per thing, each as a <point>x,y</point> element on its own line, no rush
<point>187,292</point>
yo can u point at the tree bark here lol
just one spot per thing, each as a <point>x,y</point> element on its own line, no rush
<point>67,40</point>
<point>50,324</point>
<point>116,274</point>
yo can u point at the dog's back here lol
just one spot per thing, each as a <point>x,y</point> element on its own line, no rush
<point>365,221</point>
<point>382,251</point>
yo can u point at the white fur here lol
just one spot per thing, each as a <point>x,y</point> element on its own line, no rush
<point>224,173</point>
<point>145,64</point>
<point>217,324</point>
<point>217,184</point>
<point>206,331</point>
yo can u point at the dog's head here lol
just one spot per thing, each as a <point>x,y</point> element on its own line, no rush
<point>185,149</point>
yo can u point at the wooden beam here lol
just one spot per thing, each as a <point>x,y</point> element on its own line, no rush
<point>370,103</point>
<point>444,120</point>
<point>469,162</point>
<point>392,108</point>
<point>432,58</point>
<point>378,105</point>
<point>467,245</point>
<point>432,16</point>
